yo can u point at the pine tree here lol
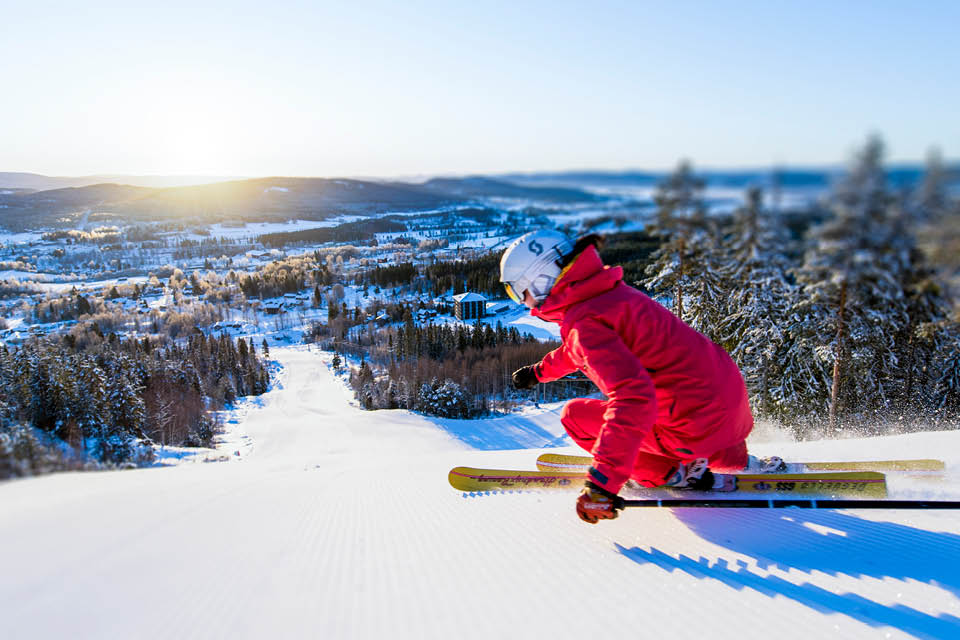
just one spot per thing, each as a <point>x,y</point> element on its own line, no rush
<point>91,407</point>
<point>685,267</point>
<point>126,407</point>
<point>758,297</point>
<point>926,308</point>
<point>946,368</point>
<point>931,200</point>
<point>83,305</point>
<point>225,390</point>
<point>853,297</point>
<point>708,299</point>
<point>43,401</point>
<point>365,373</point>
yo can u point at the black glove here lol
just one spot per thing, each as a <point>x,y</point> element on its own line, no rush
<point>525,377</point>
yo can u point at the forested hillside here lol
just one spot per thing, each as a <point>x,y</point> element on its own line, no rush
<point>105,402</point>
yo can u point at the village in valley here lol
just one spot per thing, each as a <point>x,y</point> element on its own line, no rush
<point>132,280</point>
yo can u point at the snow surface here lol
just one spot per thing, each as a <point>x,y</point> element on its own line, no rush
<point>8,237</point>
<point>333,522</point>
<point>252,229</point>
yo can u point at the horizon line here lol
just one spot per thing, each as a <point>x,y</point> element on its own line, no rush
<point>827,166</point>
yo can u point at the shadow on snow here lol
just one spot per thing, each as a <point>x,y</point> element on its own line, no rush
<point>508,432</point>
<point>834,543</point>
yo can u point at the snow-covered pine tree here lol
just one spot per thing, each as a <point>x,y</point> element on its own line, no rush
<point>936,218</point>
<point>42,407</point>
<point>390,394</point>
<point>926,308</point>
<point>799,382</point>
<point>679,202</point>
<point>854,303</point>
<point>91,407</point>
<point>225,390</point>
<point>127,411</point>
<point>946,368</point>
<point>758,297</point>
<point>446,399</point>
<point>6,386</point>
<point>64,394</point>
<point>708,302</point>
<point>686,265</point>
<point>939,219</point>
<point>451,401</point>
<point>931,200</point>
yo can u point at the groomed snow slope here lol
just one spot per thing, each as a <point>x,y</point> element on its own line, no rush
<point>339,523</point>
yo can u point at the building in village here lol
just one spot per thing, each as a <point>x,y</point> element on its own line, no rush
<point>272,308</point>
<point>468,306</point>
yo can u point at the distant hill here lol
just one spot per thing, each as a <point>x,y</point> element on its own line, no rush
<point>483,187</point>
<point>37,182</point>
<point>256,199</point>
<point>592,178</point>
<point>898,176</point>
<point>308,198</point>
<point>31,201</point>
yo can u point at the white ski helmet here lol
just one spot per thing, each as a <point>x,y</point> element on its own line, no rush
<point>533,263</point>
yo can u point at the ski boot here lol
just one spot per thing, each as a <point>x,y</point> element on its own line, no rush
<point>772,464</point>
<point>696,476</point>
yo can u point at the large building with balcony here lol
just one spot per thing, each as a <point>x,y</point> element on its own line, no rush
<point>469,306</point>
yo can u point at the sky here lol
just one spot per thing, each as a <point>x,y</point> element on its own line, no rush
<point>403,89</point>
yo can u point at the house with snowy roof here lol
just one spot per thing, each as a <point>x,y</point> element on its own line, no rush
<point>467,306</point>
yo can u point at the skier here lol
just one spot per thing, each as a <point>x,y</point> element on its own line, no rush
<point>676,404</point>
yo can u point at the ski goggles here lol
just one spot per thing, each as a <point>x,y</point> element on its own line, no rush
<point>518,298</point>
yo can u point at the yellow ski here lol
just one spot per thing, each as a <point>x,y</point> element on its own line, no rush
<point>470,479</point>
<point>836,483</point>
<point>559,462</point>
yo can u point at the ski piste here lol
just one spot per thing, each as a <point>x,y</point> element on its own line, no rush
<point>568,463</point>
<point>834,483</point>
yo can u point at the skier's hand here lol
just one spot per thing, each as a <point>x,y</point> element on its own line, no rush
<point>525,377</point>
<point>596,503</point>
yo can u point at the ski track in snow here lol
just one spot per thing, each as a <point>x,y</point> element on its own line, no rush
<point>339,523</point>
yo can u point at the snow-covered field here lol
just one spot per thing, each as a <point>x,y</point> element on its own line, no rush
<point>7,237</point>
<point>333,522</point>
<point>253,229</point>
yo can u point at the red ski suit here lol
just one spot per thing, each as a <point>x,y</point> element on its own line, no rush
<point>672,394</point>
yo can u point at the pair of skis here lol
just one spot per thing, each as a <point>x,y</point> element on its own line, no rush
<point>830,484</point>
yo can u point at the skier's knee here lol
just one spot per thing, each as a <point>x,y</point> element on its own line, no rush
<point>576,422</point>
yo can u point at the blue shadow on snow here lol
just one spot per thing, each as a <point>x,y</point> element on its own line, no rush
<point>834,543</point>
<point>509,432</point>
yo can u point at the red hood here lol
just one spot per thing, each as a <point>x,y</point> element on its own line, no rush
<point>584,278</point>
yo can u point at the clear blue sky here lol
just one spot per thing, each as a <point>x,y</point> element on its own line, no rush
<point>406,88</point>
